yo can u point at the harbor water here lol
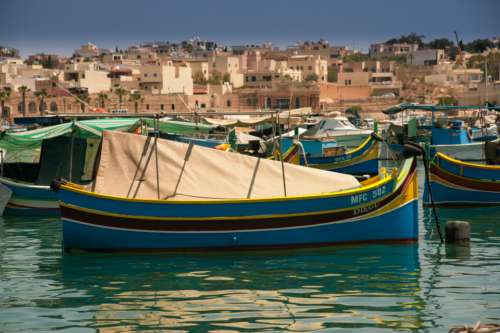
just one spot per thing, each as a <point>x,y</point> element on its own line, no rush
<point>418,287</point>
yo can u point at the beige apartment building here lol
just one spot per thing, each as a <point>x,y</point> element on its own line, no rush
<point>166,78</point>
<point>197,66</point>
<point>426,57</point>
<point>86,75</point>
<point>379,75</point>
<point>309,65</point>
<point>323,49</point>
<point>384,49</point>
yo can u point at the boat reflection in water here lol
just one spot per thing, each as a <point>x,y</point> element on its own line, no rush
<point>375,286</point>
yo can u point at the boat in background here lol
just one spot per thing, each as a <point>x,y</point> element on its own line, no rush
<point>32,159</point>
<point>446,135</point>
<point>459,183</point>
<point>362,160</point>
<point>204,202</point>
<point>339,129</point>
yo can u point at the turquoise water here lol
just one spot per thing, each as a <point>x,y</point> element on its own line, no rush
<point>424,287</point>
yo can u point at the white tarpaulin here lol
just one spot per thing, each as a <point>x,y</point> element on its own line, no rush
<point>128,168</point>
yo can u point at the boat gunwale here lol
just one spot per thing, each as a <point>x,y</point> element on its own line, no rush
<point>403,173</point>
<point>464,163</point>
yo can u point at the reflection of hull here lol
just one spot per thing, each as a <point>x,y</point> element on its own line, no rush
<point>30,200</point>
<point>382,211</point>
<point>196,291</point>
<point>456,183</point>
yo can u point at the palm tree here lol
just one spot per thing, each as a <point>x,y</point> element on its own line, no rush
<point>23,90</point>
<point>103,97</point>
<point>120,92</point>
<point>84,100</point>
<point>41,95</point>
<point>4,97</point>
<point>136,97</point>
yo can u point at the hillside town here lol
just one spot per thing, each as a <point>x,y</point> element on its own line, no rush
<point>197,74</point>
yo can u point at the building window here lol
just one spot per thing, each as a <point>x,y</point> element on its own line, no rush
<point>310,68</point>
<point>162,107</point>
<point>145,74</point>
<point>254,78</point>
<point>268,103</point>
<point>228,103</point>
<point>283,103</point>
<point>155,75</point>
<point>147,106</point>
<point>53,107</point>
<point>347,82</point>
<point>172,107</point>
<point>297,102</point>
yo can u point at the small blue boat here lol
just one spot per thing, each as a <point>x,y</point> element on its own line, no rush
<point>198,204</point>
<point>362,160</point>
<point>459,183</point>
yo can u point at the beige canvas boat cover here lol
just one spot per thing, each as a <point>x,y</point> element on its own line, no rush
<point>128,168</point>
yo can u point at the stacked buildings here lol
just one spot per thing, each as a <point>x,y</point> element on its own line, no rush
<point>199,74</point>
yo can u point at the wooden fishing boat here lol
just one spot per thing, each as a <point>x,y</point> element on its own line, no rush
<point>359,161</point>
<point>448,135</point>
<point>34,158</point>
<point>458,183</point>
<point>362,160</point>
<point>202,201</point>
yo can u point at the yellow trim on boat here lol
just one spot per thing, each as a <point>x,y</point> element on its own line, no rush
<point>400,177</point>
<point>472,165</point>
<point>465,178</point>
<point>361,146</point>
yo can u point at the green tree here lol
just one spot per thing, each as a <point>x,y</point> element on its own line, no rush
<point>312,77</point>
<point>84,99</point>
<point>120,92</point>
<point>440,43</point>
<point>41,95</point>
<point>356,57</point>
<point>492,62</point>
<point>447,100</point>
<point>412,38</point>
<point>215,78</point>
<point>102,97</point>
<point>333,73</point>
<point>23,90</point>
<point>4,97</point>
<point>199,78</point>
<point>479,45</point>
<point>136,97</point>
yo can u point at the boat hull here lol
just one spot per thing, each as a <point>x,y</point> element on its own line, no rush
<point>385,211</point>
<point>30,200</point>
<point>389,227</point>
<point>457,184</point>
<point>360,161</point>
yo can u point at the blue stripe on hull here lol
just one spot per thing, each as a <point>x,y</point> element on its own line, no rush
<point>367,167</point>
<point>220,209</point>
<point>26,194</point>
<point>442,194</point>
<point>399,224</point>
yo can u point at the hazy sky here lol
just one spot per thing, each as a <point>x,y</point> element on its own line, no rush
<point>62,25</point>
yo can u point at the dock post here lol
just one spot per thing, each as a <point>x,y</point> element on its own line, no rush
<point>457,232</point>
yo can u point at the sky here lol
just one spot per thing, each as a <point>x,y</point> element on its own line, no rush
<point>60,26</point>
